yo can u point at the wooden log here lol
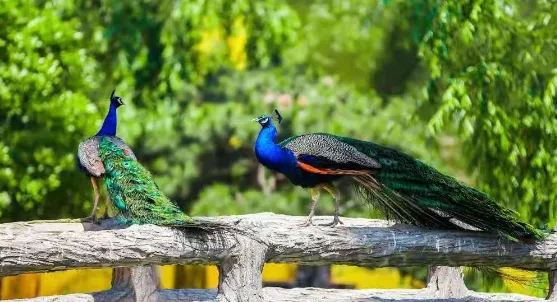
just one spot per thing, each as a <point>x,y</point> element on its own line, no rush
<point>40,247</point>
<point>552,275</point>
<point>272,294</point>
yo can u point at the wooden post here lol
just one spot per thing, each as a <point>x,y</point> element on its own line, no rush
<point>446,282</point>
<point>552,275</point>
<point>551,296</point>
<point>240,273</point>
<point>132,284</point>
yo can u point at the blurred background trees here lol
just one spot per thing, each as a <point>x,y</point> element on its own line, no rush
<point>466,86</point>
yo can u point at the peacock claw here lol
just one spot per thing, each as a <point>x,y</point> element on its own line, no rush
<point>332,224</point>
<point>92,219</point>
<point>307,223</point>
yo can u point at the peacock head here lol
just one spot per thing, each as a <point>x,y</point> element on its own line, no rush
<point>266,120</point>
<point>116,100</point>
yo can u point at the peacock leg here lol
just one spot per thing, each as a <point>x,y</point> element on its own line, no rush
<point>336,195</point>
<point>314,200</point>
<point>93,216</point>
<point>106,204</point>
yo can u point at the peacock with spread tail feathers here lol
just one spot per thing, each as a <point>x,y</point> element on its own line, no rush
<point>400,186</point>
<point>88,159</point>
<point>134,193</point>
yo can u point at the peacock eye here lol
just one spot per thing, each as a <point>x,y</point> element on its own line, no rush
<point>265,120</point>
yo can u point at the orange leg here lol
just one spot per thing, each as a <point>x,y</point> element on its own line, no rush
<point>336,195</point>
<point>314,200</point>
<point>93,216</point>
<point>106,205</point>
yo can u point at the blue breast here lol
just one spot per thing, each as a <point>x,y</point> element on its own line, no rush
<point>110,122</point>
<point>282,160</point>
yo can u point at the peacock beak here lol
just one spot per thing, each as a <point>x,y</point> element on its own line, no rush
<point>255,119</point>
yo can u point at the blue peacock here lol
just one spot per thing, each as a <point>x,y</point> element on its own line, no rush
<point>88,157</point>
<point>400,186</point>
<point>135,196</point>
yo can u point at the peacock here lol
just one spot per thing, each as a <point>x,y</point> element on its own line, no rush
<point>401,187</point>
<point>133,192</point>
<point>88,157</point>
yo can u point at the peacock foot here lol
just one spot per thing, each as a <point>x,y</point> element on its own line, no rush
<point>92,218</point>
<point>335,221</point>
<point>308,222</point>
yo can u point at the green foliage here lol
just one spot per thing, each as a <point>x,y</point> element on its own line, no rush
<point>160,48</point>
<point>55,58</point>
<point>193,74</point>
<point>493,79</point>
<point>47,74</point>
<point>336,32</point>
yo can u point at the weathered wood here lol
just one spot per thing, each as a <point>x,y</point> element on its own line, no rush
<point>137,284</point>
<point>240,274</point>
<point>30,247</point>
<point>446,282</point>
<point>133,284</point>
<point>36,248</point>
<point>304,295</point>
<point>552,275</point>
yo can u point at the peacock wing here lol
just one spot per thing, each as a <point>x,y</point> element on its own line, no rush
<point>120,143</point>
<point>326,154</point>
<point>89,157</point>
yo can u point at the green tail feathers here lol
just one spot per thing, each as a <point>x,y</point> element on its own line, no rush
<point>412,192</point>
<point>403,188</point>
<point>133,192</point>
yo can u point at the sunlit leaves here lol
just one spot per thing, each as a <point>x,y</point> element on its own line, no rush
<point>47,74</point>
<point>491,65</point>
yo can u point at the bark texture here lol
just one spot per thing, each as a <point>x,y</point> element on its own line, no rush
<point>446,282</point>
<point>240,245</point>
<point>309,294</point>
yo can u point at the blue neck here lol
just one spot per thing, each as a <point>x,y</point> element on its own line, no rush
<point>269,153</point>
<point>110,121</point>
<point>267,135</point>
<point>283,160</point>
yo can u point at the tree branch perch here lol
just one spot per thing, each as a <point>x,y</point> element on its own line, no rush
<point>249,241</point>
